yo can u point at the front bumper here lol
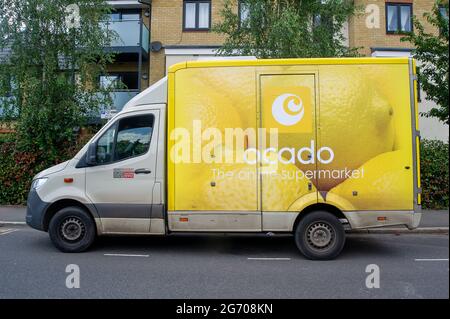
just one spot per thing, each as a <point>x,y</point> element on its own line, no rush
<point>36,209</point>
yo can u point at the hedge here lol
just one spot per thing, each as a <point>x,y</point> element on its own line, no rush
<point>434,174</point>
<point>18,168</point>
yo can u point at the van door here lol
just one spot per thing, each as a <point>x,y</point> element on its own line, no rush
<point>287,144</point>
<point>121,183</point>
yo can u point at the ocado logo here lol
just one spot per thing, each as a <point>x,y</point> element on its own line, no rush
<point>287,109</point>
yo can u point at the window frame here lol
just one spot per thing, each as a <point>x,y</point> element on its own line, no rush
<point>398,6</point>
<point>115,125</point>
<point>197,6</point>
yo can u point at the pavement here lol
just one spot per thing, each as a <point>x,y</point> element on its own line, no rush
<point>223,266</point>
<point>433,221</point>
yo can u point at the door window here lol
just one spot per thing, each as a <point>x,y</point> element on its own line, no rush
<point>105,146</point>
<point>130,137</point>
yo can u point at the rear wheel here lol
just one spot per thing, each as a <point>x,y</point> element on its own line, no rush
<point>320,235</point>
<point>72,230</point>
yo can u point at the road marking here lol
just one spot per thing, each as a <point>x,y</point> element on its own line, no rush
<point>125,255</point>
<point>268,258</point>
<point>9,231</point>
<point>431,259</point>
<point>11,223</point>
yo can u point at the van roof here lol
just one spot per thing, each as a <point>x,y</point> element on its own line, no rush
<point>267,62</point>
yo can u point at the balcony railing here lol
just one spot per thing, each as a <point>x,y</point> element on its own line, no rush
<point>130,33</point>
<point>119,99</point>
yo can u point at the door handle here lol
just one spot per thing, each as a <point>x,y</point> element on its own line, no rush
<point>142,171</point>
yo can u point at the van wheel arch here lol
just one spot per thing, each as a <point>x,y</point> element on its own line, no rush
<point>60,204</point>
<point>318,207</point>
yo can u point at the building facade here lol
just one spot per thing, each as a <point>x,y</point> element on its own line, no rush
<point>154,34</point>
<point>180,30</point>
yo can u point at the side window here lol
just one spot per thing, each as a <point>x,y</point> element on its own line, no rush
<point>128,138</point>
<point>133,136</point>
<point>105,146</point>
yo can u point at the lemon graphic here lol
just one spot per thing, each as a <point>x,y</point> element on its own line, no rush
<point>385,185</point>
<point>212,107</point>
<point>354,120</point>
<point>215,184</point>
<point>282,185</point>
<point>238,85</point>
<point>237,186</point>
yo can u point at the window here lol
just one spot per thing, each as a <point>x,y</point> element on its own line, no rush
<point>132,139</point>
<point>196,15</point>
<point>444,12</point>
<point>398,17</point>
<point>105,146</point>
<point>118,80</point>
<point>244,12</point>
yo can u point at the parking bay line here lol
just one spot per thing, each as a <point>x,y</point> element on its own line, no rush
<point>126,255</point>
<point>268,258</point>
<point>2,222</point>
<point>9,231</point>
<point>431,259</point>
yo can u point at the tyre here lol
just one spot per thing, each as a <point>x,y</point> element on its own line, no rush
<point>72,230</point>
<point>320,236</point>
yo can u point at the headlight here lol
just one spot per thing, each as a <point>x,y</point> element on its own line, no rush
<point>38,182</point>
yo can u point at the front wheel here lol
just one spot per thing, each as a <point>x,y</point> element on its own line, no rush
<point>72,230</point>
<point>320,235</point>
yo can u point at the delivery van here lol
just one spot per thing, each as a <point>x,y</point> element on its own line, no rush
<point>311,147</point>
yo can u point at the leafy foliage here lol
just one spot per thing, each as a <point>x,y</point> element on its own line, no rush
<point>286,28</point>
<point>434,174</point>
<point>50,70</point>
<point>47,86</point>
<point>431,49</point>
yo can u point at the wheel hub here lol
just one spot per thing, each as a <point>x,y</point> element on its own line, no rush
<point>320,235</point>
<point>72,229</point>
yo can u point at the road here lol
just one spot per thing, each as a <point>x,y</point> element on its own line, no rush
<point>222,266</point>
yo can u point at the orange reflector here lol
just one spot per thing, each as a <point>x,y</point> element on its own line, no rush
<point>184,219</point>
<point>68,180</point>
<point>382,218</point>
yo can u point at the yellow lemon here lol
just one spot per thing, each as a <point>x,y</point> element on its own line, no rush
<point>385,184</point>
<point>200,102</point>
<point>354,120</point>
<point>282,185</point>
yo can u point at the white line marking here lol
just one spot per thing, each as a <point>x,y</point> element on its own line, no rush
<point>268,258</point>
<point>125,255</point>
<point>11,223</point>
<point>8,232</point>
<point>432,259</point>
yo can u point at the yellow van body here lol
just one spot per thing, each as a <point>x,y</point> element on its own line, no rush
<point>361,111</point>
<point>310,147</point>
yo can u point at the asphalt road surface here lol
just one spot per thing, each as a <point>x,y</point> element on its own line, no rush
<point>222,266</point>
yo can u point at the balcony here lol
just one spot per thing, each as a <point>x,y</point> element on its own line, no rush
<point>119,99</point>
<point>133,36</point>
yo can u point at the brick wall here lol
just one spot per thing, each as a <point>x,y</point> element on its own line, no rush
<point>167,27</point>
<point>362,36</point>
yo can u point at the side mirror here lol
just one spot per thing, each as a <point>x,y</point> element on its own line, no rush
<point>91,155</point>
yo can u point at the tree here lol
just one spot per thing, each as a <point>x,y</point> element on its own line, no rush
<point>55,52</point>
<point>286,28</point>
<point>431,50</point>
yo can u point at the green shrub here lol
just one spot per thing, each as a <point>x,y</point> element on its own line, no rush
<point>434,174</point>
<point>17,169</point>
